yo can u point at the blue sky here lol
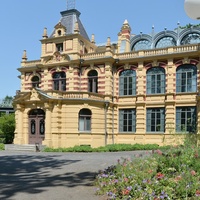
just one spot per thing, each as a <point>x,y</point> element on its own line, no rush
<point>22,23</point>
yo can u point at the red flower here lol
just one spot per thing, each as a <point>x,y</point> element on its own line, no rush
<point>125,192</point>
<point>159,175</point>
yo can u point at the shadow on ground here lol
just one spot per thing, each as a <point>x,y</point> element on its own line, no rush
<point>33,175</point>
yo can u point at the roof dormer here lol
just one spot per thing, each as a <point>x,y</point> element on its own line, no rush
<point>60,30</point>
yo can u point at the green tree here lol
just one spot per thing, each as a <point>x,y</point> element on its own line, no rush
<point>6,102</point>
<point>7,128</point>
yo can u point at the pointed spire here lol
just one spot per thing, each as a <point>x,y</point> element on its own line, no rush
<point>24,56</point>
<point>45,33</point>
<point>93,39</point>
<point>126,26</point>
<point>108,42</point>
<point>76,27</point>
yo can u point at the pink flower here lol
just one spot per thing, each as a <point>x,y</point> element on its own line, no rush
<point>158,151</point>
<point>178,178</point>
<point>197,193</point>
<point>193,173</point>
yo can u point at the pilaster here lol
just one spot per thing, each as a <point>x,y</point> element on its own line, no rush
<point>48,121</point>
<point>19,139</point>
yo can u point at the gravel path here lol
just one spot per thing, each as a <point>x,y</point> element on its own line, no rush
<point>53,176</point>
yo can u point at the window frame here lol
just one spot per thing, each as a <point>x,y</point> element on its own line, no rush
<point>93,81</point>
<point>35,83</point>
<point>186,84</point>
<point>155,117</point>
<point>127,83</point>
<point>155,81</point>
<point>127,120</point>
<point>59,83</point>
<point>85,117</point>
<point>182,123</point>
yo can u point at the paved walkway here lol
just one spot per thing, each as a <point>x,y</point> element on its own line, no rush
<point>53,176</point>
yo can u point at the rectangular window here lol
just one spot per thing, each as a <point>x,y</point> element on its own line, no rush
<point>127,86</point>
<point>127,120</point>
<point>59,47</point>
<point>186,80</point>
<point>186,119</point>
<point>155,120</point>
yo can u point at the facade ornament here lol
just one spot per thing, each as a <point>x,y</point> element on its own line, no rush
<point>186,61</point>
<point>76,28</point>
<point>127,66</point>
<point>45,33</point>
<point>24,56</point>
<point>93,39</point>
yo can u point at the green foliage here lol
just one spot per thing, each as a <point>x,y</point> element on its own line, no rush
<point>2,146</point>
<point>107,148</point>
<point>6,102</point>
<point>7,128</point>
<point>168,174</point>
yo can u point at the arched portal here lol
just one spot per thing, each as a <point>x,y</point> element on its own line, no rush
<point>36,126</point>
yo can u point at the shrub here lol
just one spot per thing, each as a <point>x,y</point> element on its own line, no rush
<point>7,128</point>
<point>107,148</point>
<point>2,146</point>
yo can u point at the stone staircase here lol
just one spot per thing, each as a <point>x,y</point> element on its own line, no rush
<point>24,147</point>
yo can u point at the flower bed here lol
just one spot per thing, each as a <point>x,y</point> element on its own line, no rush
<point>173,174</point>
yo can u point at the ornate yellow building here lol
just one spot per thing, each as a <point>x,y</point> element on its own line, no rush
<point>141,89</point>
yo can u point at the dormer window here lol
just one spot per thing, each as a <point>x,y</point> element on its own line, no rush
<point>59,47</point>
<point>59,32</point>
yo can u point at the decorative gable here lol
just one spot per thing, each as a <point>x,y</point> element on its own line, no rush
<point>60,30</point>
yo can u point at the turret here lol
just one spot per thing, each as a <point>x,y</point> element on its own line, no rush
<point>124,37</point>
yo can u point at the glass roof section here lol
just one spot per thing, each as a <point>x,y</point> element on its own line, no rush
<point>141,45</point>
<point>191,38</point>
<point>166,42</point>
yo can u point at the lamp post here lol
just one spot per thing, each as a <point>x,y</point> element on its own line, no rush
<point>192,8</point>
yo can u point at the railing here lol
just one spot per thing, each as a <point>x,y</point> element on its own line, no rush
<point>93,56</point>
<point>76,95</point>
<point>32,63</point>
<point>133,54</point>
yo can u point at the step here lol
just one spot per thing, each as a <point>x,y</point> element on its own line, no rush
<point>24,147</point>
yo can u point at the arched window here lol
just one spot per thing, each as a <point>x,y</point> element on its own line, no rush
<point>35,81</point>
<point>59,81</point>
<point>141,45</point>
<point>93,81</point>
<point>85,120</point>
<point>155,80</point>
<point>186,78</point>
<point>127,83</point>
<point>192,38</point>
<point>166,42</point>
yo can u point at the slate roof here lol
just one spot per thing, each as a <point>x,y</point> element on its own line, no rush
<point>68,19</point>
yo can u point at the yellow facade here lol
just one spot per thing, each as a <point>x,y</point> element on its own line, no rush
<point>142,89</point>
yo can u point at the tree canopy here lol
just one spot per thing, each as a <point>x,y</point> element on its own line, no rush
<point>6,102</point>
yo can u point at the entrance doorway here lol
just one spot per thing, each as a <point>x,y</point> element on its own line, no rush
<point>36,126</point>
